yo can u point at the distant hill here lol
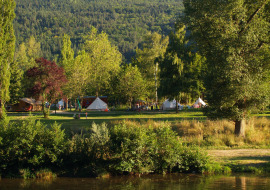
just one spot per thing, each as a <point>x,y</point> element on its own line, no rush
<point>125,21</point>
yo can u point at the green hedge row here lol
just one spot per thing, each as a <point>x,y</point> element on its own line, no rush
<point>29,146</point>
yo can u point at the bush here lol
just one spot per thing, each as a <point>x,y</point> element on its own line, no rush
<point>29,144</point>
<point>140,149</point>
<point>132,147</point>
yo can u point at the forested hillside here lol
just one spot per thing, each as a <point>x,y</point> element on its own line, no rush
<point>125,21</point>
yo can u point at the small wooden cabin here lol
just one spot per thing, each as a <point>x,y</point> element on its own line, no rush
<point>27,104</point>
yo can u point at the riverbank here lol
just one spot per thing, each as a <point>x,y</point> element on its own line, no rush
<point>75,144</point>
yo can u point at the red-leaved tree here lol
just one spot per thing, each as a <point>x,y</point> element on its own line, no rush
<point>48,79</point>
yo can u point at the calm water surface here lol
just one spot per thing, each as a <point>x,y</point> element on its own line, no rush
<point>147,182</point>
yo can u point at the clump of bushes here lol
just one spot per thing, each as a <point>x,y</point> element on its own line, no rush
<point>28,146</point>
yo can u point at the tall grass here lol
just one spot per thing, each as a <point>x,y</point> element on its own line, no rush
<point>218,134</point>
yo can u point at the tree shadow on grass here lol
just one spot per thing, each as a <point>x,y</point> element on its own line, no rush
<point>246,163</point>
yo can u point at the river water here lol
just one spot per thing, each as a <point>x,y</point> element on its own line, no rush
<point>146,182</point>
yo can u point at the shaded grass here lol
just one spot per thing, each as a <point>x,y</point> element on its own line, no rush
<point>243,160</point>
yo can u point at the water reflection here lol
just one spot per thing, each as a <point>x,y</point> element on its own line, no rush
<point>148,182</point>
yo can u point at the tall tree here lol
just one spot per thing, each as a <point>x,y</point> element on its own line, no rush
<point>48,80</point>
<point>172,66</point>
<point>105,60</point>
<point>21,57</point>
<point>27,53</point>
<point>130,84</point>
<point>7,48</point>
<point>15,89</point>
<point>67,62</point>
<point>33,50</point>
<point>234,37</point>
<point>155,46</point>
<point>80,76</point>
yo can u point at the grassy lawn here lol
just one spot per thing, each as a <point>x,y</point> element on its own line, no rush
<point>68,123</point>
<point>252,160</point>
<point>66,117</point>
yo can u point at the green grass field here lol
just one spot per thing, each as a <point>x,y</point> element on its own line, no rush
<point>67,121</point>
<point>71,126</point>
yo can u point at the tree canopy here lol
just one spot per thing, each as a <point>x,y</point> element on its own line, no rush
<point>234,38</point>
<point>7,47</point>
<point>105,60</point>
<point>130,84</point>
<point>126,22</point>
<point>155,46</point>
<point>48,80</point>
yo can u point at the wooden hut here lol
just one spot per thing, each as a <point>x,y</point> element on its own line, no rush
<point>27,104</point>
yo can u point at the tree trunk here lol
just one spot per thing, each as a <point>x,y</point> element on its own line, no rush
<point>67,105</point>
<point>156,82</point>
<point>240,128</point>
<point>45,110</point>
<point>176,106</point>
<point>2,110</point>
<point>81,102</point>
<point>97,91</point>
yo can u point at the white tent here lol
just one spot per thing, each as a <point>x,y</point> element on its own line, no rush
<point>61,103</point>
<point>97,105</point>
<point>199,101</point>
<point>169,105</point>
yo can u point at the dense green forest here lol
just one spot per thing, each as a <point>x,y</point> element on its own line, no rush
<point>125,22</point>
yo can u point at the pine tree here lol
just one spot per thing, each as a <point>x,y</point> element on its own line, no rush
<point>7,48</point>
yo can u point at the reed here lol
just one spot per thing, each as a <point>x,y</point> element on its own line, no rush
<point>45,174</point>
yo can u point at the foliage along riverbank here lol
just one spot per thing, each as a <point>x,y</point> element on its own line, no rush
<point>29,149</point>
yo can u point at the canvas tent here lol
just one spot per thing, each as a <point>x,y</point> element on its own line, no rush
<point>169,105</point>
<point>61,103</point>
<point>97,105</point>
<point>199,101</point>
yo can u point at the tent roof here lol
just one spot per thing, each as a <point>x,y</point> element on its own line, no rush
<point>61,102</point>
<point>97,104</point>
<point>169,104</point>
<point>200,101</point>
<point>30,101</point>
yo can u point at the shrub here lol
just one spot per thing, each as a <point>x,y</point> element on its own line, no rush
<point>168,149</point>
<point>132,147</point>
<point>29,144</point>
